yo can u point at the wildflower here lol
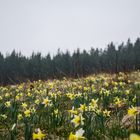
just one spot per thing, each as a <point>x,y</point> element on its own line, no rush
<point>7,104</point>
<point>3,116</point>
<point>106,113</point>
<point>121,84</point>
<point>37,101</point>
<point>82,108</point>
<point>127,92</point>
<point>20,87</point>
<point>7,94</point>
<point>17,97</point>
<point>29,94</point>
<point>134,137</point>
<point>107,92</point>
<point>56,112</point>
<point>33,110</point>
<point>72,111</point>
<point>115,89</point>
<point>102,90</point>
<point>118,102</point>
<point>70,95</point>
<point>86,89</point>
<point>77,120</point>
<point>46,102</point>
<point>93,88</point>
<point>77,136</point>
<point>39,135</point>
<point>24,105</point>
<point>114,83</point>
<point>53,95</point>
<point>106,84</point>
<point>132,111</point>
<point>78,95</point>
<point>98,111</point>
<point>20,116</point>
<point>27,113</point>
<point>94,103</point>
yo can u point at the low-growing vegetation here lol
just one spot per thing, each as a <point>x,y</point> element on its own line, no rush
<point>97,107</point>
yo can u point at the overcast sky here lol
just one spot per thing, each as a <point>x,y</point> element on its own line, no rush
<point>46,25</point>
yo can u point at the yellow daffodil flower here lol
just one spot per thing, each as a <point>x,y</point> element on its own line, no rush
<point>39,135</point>
<point>83,107</point>
<point>46,102</point>
<point>27,113</point>
<point>24,105</point>
<point>8,104</point>
<point>134,137</point>
<point>106,113</point>
<point>77,136</point>
<point>77,120</point>
<point>132,111</point>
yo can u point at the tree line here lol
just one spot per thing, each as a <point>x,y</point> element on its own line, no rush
<point>16,67</point>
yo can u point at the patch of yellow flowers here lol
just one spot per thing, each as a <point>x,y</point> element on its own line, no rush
<point>69,108</point>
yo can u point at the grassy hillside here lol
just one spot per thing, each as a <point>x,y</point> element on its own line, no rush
<point>94,108</point>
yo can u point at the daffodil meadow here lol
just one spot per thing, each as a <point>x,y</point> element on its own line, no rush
<point>97,107</point>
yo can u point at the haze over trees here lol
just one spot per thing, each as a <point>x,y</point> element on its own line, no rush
<point>16,68</point>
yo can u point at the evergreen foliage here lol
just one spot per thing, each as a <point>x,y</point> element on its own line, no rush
<point>16,68</point>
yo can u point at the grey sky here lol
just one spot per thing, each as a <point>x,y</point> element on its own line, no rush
<point>46,25</point>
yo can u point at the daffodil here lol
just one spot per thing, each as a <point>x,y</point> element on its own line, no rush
<point>118,102</point>
<point>73,111</point>
<point>8,104</point>
<point>86,89</point>
<point>29,94</point>
<point>70,95</point>
<point>3,116</point>
<point>93,104</point>
<point>56,112</point>
<point>77,120</point>
<point>37,101</point>
<point>114,83</point>
<point>132,111</point>
<point>77,136</point>
<point>98,111</point>
<point>82,107</point>
<point>106,84</point>
<point>106,113</point>
<point>46,101</point>
<point>134,137</point>
<point>24,105</point>
<point>7,94</point>
<point>39,135</point>
<point>27,113</point>
<point>127,92</point>
<point>17,97</point>
<point>20,116</point>
<point>33,110</point>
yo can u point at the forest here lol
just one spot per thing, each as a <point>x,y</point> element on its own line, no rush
<point>17,68</point>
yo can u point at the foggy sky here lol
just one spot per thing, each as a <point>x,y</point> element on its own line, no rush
<point>46,25</point>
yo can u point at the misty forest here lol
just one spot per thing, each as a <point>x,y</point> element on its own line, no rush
<point>15,67</point>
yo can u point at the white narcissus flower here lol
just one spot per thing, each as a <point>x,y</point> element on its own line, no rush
<point>79,133</point>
